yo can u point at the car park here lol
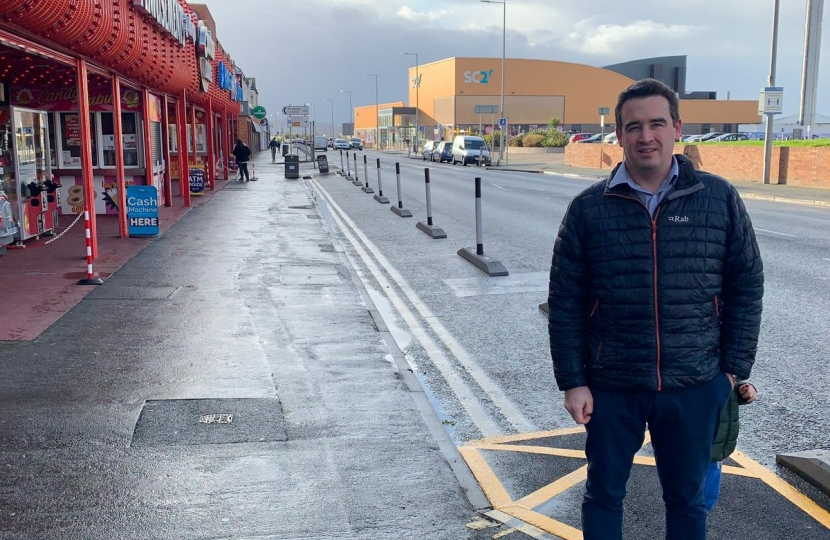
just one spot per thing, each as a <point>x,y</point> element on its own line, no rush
<point>429,146</point>
<point>340,144</point>
<point>442,152</point>
<point>354,142</point>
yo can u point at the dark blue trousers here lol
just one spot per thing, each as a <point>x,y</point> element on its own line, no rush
<point>682,425</point>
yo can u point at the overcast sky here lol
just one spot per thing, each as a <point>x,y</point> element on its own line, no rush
<point>303,51</point>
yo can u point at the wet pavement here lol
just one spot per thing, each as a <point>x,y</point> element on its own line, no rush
<point>231,380</point>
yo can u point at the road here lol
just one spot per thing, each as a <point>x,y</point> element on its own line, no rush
<point>494,375</point>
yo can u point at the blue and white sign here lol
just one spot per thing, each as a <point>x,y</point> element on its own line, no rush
<point>420,128</point>
<point>196,177</point>
<point>502,121</point>
<point>771,100</point>
<point>142,211</point>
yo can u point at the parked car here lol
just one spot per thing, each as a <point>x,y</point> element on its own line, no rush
<point>319,143</point>
<point>710,136</point>
<point>693,138</point>
<point>442,152</point>
<point>611,138</point>
<point>429,146</point>
<point>330,142</point>
<point>730,137</point>
<point>579,136</point>
<point>596,138</point>
<point>356,143</point>
<point>341,144</point>
<point>470,149</point>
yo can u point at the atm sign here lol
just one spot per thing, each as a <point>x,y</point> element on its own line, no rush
<point>142,211</point>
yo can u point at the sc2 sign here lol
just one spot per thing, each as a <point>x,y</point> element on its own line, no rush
<point>478,77</point>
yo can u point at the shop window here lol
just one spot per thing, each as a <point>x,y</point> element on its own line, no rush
<point>201,141</point>
<point>172,139</point>
<point>155,143</point>
<point>130,134</point>
<point>70,140</point>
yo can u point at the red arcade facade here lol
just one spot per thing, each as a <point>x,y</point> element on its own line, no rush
<point>99,95</point>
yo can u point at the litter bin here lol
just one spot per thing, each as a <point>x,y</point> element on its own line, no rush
<point>285,148</point>
<point>322,164</point>
<point>292,167</point>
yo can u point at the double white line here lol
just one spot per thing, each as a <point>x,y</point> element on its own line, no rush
<point>449,370</point>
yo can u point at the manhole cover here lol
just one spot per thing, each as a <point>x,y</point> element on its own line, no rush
<point>179,422</point>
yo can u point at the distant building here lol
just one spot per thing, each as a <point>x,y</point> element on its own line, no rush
<point>535,92</point>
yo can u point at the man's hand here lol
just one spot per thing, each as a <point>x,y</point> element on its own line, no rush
<point>747,392</point>
<point>580,403</point>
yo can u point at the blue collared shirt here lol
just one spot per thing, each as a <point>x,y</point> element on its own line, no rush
<point>651,200</point>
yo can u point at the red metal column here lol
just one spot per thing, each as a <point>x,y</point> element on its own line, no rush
<point>211,165</point>
<point>86,151</point>
<point>184,184</point>
<point>193,134</point>
<point>119,156</point>
<point>165,151</point>
<point>226,147</point>
<point>148,145</point>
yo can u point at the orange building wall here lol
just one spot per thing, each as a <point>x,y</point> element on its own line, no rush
<point>366,117</point>
<point>582,88</point>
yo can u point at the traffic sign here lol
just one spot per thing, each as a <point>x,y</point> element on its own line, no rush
<point>502,121</point>
<point>258,112</point>
<point>420,128</point>
<point>771,100</point>
<point>485,109</point>
<point>295,110</point>
<point>604,110</point>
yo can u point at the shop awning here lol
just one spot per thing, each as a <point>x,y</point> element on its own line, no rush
<point>257,127</point>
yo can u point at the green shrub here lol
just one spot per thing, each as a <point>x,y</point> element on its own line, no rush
<point>556,139</point>
<point>533,139</point>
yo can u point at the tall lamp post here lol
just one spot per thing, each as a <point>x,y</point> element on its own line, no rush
<point>417,107</point>
<point>377,111</point>
<point>503,43</point>
<point>330,100</point>
<point>313,120</point>
<point>351,109</point>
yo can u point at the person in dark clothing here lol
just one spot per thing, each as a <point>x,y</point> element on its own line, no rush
<point>242,154</point>
<point>274,146</point>
<point>726,439</point>
<point>655,294</point>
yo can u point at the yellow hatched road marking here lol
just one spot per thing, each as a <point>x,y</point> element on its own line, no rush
<point>522,509</point>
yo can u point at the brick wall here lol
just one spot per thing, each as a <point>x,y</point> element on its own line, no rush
<point>805,167</point>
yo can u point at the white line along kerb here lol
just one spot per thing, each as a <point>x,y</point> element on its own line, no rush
<point>471,404</point>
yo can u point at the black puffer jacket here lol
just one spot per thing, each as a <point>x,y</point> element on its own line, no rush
<point>646,304</point>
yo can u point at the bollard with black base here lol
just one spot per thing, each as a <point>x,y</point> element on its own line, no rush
<point>356,181</point>
<point>428,227</point>
<point>366,188</point>
<point>489,266</point>
<point>400,210</point>
<point>348,167</point>
<point>379,197</point>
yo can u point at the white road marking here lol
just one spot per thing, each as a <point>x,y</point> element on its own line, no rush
<point>471,404</point>
<point>500,187</point>
<point>825,259</point>
<point>773,232</point>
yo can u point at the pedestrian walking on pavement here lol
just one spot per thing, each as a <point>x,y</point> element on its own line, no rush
<point>655,294</point>
<point>242,154</point>
<point>726,440</point>
<point>274,146</point>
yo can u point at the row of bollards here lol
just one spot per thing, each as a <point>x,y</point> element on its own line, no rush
<point>476,257</point>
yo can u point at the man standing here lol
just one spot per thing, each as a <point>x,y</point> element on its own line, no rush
<point>655,307</point>
<point>242,154</point>
<point>274,146</point>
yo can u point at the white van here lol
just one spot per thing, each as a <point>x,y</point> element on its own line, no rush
<point>320,143</point>
<point>469,149</point>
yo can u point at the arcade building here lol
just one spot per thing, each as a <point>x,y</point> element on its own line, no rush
<point>99,96</point>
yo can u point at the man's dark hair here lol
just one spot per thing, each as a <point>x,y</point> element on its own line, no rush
<point>645,88</point>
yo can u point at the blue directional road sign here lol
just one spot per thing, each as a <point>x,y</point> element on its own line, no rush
<point>502,121</point>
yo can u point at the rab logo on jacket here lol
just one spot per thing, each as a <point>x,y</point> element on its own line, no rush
<point>679,219</point>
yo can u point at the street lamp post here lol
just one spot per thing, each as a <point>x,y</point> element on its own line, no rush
<point>503,48</point>
<point>417,106</point>
<point>330,100</point>
<point>351,110</point>
<point>377,111</point>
